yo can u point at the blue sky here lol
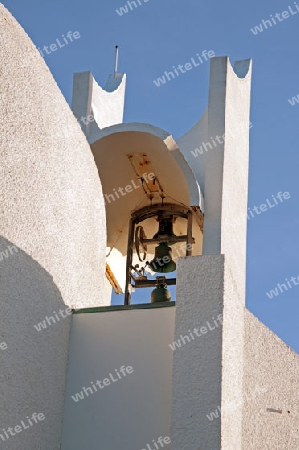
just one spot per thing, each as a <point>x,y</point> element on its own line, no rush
<point>161,33</point>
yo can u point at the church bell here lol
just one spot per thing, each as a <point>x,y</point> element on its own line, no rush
<point>160,293</point>
<point>162,263</point>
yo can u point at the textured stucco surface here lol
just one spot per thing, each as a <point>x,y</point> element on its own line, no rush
<point>232,361</point>
<point>225,224</point>
<point>225,190</point>
<point>197,365</point>
<point>271,380</point>
<point>52,210</point>
<point>235,171</point>
<point>231,218</point>
<point>33,367</point>
<point>51,199</point>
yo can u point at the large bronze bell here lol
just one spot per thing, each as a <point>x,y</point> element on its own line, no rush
<point>162,263</point>
<point>166,229</point>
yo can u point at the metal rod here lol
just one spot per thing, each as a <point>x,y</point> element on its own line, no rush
<point>116,60</point>
<point>153,283</point>
<point>189,234</point>
<point>166,209</point>
<point>129,261</point>
<point>182,238</point>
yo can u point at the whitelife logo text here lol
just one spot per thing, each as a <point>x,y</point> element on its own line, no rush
<point>203,330</point>
<point>25,424</point>
<point>129,188</point>
<point>53,47</point>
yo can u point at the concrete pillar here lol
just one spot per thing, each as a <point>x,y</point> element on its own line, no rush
<point>208,370</point>
<point>197,363</point>
<point>95,107</point>
<point>81,100</point>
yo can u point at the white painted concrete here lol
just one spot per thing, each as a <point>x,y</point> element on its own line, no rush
<point>52,210</point>
<point>231,221</point>
<point>129,413</point>
<point>197,366</point>
<point>192,140</point>
<point>49,185</point>
<point>270,385</point>
<point>225,189</point>
<point>96,107</point>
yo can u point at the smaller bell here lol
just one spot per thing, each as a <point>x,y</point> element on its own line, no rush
<point>160,294</point>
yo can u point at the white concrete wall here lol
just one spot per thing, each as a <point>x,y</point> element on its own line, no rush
<point>129,413</point>
<point>52,211</point>
<point>271,389</point>
<point>225,221</point>
<point>81,99</point>
<point>197,365</point>
<point>225,226</point>
<point>96,107</point>
<point>189,142</point>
